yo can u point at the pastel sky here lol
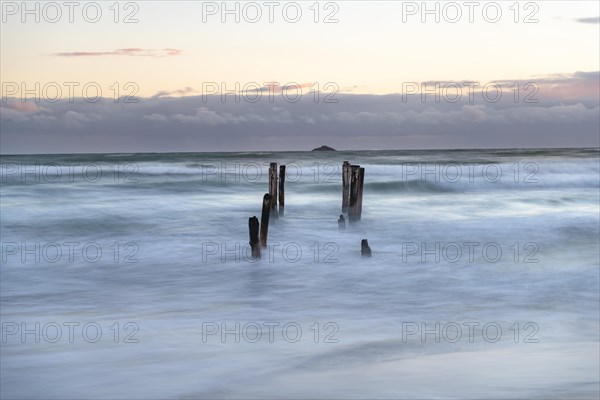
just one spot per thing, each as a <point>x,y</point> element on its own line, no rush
<point>374,48</point>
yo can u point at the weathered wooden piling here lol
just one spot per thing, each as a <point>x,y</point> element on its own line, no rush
<point>254,241</point>
<point>359,197</point>
<point>356,191</point>
<point>352,210</point>
<point>341,222</point>
<point>273,187</point>
<point>281,194</point>
<point>264,219</point>
<point>346,176</point>
<point>365,250</point>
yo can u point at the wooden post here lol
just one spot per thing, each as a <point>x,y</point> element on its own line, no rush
<point>273,187</point>
<point>281,189</point>
<point>365,250</point>
<point>352,209</point>
<point>356,193</point>
<point>264,219</point>
<point>359,197</point>
<point>341,222</point>
<point>254,243</point>
<point>346,174</point>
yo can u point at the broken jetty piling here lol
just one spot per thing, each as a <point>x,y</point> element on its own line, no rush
<point>346,175</point>
<point>264,219</point>
<point>281,194</point>
<point>365,250</point>
<point>342,222</point>
<point>259,232</point>
<point>254,236</point>
<point>353,178</point>
<point>273,188</point>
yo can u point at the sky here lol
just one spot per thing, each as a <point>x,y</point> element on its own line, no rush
<point>150,76</point>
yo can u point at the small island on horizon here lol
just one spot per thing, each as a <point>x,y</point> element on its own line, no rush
<point>324,148</point>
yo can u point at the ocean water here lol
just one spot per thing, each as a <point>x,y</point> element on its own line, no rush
<point>129,276</point>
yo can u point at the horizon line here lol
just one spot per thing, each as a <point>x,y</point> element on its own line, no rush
<point>302,151</point>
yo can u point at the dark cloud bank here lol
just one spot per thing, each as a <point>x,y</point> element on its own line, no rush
<point>566,115</point>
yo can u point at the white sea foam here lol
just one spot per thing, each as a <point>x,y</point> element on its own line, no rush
<point>174,264</point>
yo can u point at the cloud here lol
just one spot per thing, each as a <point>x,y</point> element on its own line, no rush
<point>466,115</point>
<point>9,114</point>
<point>589,20</point>
<point>578,85</point>
<point>23,106</point>
<point>348,89</point>
<point>156,117</point>
<point>474,113</point>
<point>135,52</point>
<point>275,87</point>
<point>179,92</point>
<point>204,115</point>
<point>21,111</point>
<point>74,119</point>
<point>565,115</point>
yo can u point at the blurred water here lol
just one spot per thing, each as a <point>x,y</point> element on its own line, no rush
<point>152,250</point>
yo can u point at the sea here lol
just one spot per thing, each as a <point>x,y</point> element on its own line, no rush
<point>131,276</point>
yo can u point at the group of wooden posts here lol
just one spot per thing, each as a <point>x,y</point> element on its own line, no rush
<point>258,238</point>
<point>353,180</point>
<point>353,177</point>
